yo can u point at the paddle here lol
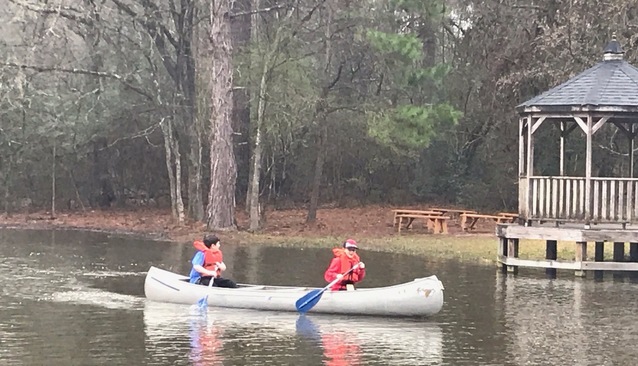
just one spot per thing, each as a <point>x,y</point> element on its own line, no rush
<point>203,302</point>
<point>309,300</point>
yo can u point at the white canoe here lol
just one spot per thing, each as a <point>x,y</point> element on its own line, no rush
<point>421,297</point>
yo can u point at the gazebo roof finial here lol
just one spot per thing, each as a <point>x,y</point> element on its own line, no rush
<point>613,51</point>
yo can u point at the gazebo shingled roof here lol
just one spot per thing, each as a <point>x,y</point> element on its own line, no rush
<point>612,82</point>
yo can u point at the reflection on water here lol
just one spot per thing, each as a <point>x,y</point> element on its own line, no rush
<point>396,342</point>
<point>339,348</point>
<point>587,322</point>
<point>75,298</point>
<point>332,340</point>
<point>206,340</point>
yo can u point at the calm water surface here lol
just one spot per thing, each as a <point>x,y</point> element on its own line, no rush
<point>76,298</point>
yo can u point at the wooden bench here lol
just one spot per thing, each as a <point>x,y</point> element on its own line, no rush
<point>455,212</point>
<point>468,220</point>
<point>398,212</point>
<point>436,223</point>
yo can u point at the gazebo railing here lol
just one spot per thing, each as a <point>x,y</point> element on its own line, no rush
<point>612,200</point>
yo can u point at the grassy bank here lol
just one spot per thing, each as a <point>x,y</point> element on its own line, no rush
<point>472,248</point>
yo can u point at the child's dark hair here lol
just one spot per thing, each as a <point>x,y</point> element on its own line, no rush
<point>210,239</point>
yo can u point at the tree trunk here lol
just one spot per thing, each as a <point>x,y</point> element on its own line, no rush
<point>177,205</point>
<point>195,200</point>
<point>257,151</point>
<point>269,59</point>
<point>316,182</point>
<point>74,182</point>
<point>179,202</point>
<point>186,79</point>
<point>169,168</point>
<point>7,174</point>
<point>53,181</point>
<point>320,118</point>
<point>223,169</point>
<point>242,27</point>
<point>254,35</point>
<point>195,208</point>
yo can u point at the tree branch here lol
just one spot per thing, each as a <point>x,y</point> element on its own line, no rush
<point>250,12</point>
<point>533,7</point>
<point>337,77</point>
<point>143,133</point>
<point>63,11</point>
<point>101,74</point>
<point>308,16</point>
<point>151,28</point>
<point>450,31</point>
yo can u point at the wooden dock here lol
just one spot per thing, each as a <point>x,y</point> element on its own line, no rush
<point>509,236</point>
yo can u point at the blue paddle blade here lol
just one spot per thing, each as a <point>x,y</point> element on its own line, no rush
<point>307,301</point>
<point>203,302</point>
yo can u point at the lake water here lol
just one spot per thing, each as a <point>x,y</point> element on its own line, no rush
<point>76,298</point>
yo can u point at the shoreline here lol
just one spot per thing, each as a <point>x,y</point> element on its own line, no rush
<point>370,226</point>
<point>469,248</point>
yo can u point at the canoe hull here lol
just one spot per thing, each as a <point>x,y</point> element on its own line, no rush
<point>421,297</point>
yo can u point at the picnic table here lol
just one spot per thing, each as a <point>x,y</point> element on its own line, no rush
<point>456,212</point>
<point>434,220</point>
<point>469,220</point>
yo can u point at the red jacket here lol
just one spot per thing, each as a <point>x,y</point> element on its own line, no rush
<point>340,264</point>
<point>212,256</point>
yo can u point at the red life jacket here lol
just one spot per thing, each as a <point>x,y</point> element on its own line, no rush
<point>347,263</point>
<point>212,256</point>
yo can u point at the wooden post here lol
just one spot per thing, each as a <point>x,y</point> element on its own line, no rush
<point>502,250</point>
<point>619,252</point>
<point>512,252</point>
<point>632,145</point>
<point>630,187</point>
<point>523,182</point>
<point>588,158</point>
<point>633,252</point>
<point>633,257</point>
<point>619,256</point>
<point>529,168</point>
<point>581,255</point>
<point>521,146</point>
<point>562,148</point>
<point>551,253</point>
<point>599,256</point>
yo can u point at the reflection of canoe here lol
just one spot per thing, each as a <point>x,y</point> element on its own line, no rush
<point>271,337</point>
<point>421,297</point>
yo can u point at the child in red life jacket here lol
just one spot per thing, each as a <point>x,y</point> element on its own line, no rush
<point>208,263</point>
<point>344,259</point>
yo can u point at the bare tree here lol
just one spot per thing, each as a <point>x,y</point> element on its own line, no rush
<point>223,169</point>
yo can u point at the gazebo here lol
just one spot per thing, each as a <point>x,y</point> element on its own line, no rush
<point>583,208</point>
<point>607,93</point>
